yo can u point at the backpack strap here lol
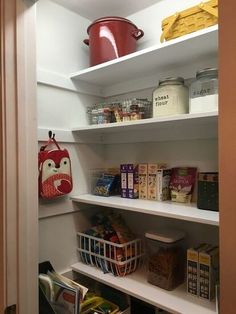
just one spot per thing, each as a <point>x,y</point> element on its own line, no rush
<point>51,140</point>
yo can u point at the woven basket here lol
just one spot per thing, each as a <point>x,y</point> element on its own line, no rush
<point>193,19</point>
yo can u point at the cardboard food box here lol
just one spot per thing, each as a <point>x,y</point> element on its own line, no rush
<point>123,180</point>
<point>208,272</point>
<point>193,268</point>
<point>143,181</point>
<point>133,178</point>
<point>163,180</point>
<point>208,191</point>
<point>152,182</point>
<point>192,271</point>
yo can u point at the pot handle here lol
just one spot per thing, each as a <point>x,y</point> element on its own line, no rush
<point>137,34</point>
<point>86,41</point>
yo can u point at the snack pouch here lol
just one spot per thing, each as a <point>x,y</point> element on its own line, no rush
<point>182,183</point>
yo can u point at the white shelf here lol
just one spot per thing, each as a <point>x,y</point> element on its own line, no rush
<point>177,301</point>
<point>187,212</point>
<point>169,55</point>
<point>178,127</point>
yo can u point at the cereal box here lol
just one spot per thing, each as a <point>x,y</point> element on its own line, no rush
<point>152,182</point>
<point>123,180</point>
<point>163,180</point>
<point>132,180</point>
<point>143,181</point>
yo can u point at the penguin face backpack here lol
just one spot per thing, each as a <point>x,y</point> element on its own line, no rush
<point>55,177</point>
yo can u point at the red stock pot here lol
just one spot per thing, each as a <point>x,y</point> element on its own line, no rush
<point>110,38</point>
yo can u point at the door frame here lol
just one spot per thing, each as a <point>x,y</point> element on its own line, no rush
<point>18,161</point>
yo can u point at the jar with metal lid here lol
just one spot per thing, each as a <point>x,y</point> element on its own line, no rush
<point>134,112</point>
<point>204,91</point>
<point>171,97</point>
<point>166,258</point>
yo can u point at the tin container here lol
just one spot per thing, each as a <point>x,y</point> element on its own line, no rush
<point>204,91</point>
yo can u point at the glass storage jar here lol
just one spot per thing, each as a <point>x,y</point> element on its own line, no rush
<point>166,258</point>
<point>204,91</point>
<point>171,97</point>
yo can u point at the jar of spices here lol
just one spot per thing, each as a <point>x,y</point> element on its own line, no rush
<point>126,116</point>
<point>94,116</point>
<point>134,112</point>
<point>104,115</point>
<point>166,258</point>
<point>171,97</point>
<point>204,91</point>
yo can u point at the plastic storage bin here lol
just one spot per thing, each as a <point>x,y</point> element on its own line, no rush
<point>98,305</point>
<point>166,258</point>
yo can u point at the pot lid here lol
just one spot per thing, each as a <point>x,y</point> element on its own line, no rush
<point>110,19</point>
<point>166,235</point>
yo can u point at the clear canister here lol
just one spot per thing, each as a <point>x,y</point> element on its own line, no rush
<point>166,258</point>
<point>204,91</point>
<point>171,97</point>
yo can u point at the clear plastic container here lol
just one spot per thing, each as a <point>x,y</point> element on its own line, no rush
<point>166,258</point>
<point>204,91</point>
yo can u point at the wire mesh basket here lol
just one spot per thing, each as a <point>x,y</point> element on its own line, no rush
<point>120,111</point>
<point>118,259</point>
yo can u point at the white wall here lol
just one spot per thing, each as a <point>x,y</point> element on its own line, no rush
<point>149,19</point>
<point>60,35</point>
<point>62,109</point>
<point>60,51</point>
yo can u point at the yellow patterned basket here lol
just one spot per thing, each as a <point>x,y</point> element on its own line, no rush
<point>193,19</point>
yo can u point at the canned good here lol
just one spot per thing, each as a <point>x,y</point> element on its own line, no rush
<point>171,97</point>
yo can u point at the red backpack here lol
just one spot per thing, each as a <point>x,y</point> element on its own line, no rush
<point>55,178</point>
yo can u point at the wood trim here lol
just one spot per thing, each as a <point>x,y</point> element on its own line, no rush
<point>19,161</point>
<point>27,157</point>
<point>9,149</point>
<point>2,186</point>
<point>227,155</point>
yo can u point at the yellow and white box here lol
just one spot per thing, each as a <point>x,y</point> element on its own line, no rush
<point>193,268</point>
<point>143,181</point>
<point>152,181</point>
<point>208,272</point>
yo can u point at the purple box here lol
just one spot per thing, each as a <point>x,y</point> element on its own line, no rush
<point>124,180</point>
<point>133,188</point>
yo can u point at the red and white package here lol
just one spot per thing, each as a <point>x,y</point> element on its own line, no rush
<point>182,183</point>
